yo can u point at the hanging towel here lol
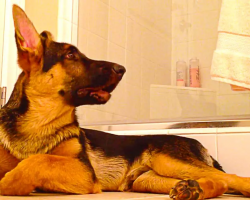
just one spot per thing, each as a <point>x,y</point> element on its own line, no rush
<point>231,59</point>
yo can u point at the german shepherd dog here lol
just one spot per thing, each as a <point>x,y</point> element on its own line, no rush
<point>43,148</point>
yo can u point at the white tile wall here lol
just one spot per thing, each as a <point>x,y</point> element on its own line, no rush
<point>136,34</point>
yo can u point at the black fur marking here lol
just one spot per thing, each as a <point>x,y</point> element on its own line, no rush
<point>17,105</point>
<point>83,157</point>
<point>52,55</point>
<point>62,92</point>
<point>217,165</point>
<point>131,147</point>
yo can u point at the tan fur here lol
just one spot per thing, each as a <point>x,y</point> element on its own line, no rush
<point>71,171</point>
<point>109,171</point>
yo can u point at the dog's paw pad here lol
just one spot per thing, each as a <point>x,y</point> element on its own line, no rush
<point>186,190</point>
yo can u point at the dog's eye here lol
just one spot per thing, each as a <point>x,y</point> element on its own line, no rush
<point>70,56</point>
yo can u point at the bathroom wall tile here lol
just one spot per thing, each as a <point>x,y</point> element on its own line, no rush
<point>93,115</point>
<point>180,29</point>
<point>116,54</point>
<point>173,77</point>
<point>98,23</point>
<point>97,47</point>
<point>134,69</point>
<point>233,104</point>
<point>134,9</point>
<point>209,141</point>
<point>66,30</point>
<point>117,28</point>
<point>163,18</point>
<point>148,13</point>
<point>82,41</point>
<point>133,102</point>
<point>233,151</point>
<point>66,11</point>
<point>208,105</point>
<point>120,5</point>
<point>145,105</point>
<point>159,106</point>
<point>206,81</point>
<point>203,25</point>
<point>74,35</point>
<point>203,50</point>
<point>84,13</point>
<point>75,11</point>
<point>200,6</point>
<point>162,76</point>
<point>179,7</point>
<point>134,36</point>
<point>180,52</point>
<point>104,1</point>
<point>148,71</point>
<point>225,88</point>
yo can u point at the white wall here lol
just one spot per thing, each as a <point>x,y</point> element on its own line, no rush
<point>136,34</point>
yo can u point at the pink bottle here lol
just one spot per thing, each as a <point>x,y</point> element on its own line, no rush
<point>194,78</point>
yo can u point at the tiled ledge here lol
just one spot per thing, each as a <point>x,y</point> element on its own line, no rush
<point>187,131</point>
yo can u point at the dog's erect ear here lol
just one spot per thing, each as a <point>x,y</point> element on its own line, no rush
<point>28,41</point>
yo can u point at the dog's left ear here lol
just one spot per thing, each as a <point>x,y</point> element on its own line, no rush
<point>28,41</point>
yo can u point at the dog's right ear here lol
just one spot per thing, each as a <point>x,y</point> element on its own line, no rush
<point>29,45</point>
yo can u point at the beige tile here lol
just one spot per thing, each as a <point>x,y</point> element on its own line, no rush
<point>225,88</point>
<point>134,69</point>
<point>66,11</point>
<point>104,1</point>
<point>117,27</point>
<point>120,5</point>
<point>197,6</point>
<point>82,41</point>
<point>180,29</point>
<point>203,25</point>
<point>75,12</point>
<point>98,23</point>
<point>180,52</point>
<point>203,50</point>
<point>84,14</point>
<point>97,47</point>
<point>162,76</point>
<point>233,149</point>
<point>134,9</point>
<point>179,7</point>
<point>93,115</point>
<point>205,80</point>
<point>233,104</point>
<point>74,36</point>
<point>145,105</point>
<point>116,53</point>
<point>133,100</point>
<point>159,105</point>
<point>66,30</point>
<point>148,72</point>
<point>134,36</point>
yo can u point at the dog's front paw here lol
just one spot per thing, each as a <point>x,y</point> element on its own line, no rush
<point>15,184</point>
<point>187,190</point>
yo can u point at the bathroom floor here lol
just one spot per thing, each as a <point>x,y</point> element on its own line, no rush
<point>107,196</point>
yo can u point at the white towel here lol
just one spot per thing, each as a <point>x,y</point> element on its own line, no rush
<point>231,59</point>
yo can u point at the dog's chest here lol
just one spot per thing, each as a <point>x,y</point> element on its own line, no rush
<point>110,171</point>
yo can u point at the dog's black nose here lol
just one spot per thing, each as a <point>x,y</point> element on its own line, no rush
<point>119,69</point>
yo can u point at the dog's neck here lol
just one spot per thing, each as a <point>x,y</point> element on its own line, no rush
<point>24,122</point>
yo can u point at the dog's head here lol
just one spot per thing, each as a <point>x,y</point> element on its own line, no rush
<point>60,70</point>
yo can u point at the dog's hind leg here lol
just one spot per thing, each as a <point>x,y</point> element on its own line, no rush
<point>213,182</point>
<point>50,172</point>
<point>178,189</point>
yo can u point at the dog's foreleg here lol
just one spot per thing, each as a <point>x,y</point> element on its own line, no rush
<point>49,172</point>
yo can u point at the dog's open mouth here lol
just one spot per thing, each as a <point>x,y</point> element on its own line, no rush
<point>101,94</point>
